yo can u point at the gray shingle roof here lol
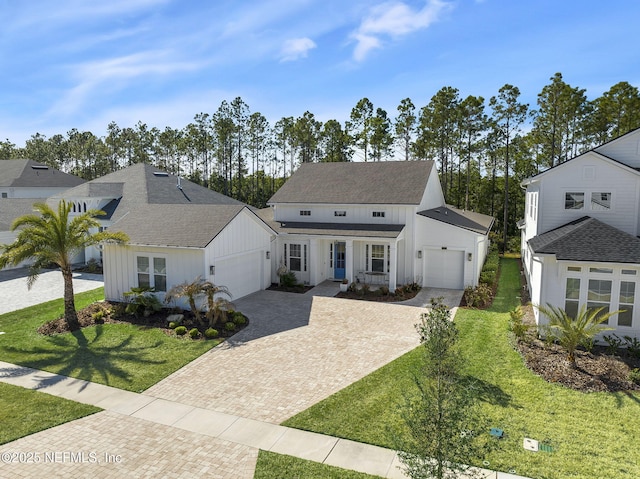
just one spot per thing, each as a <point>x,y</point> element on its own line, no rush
<point>152,210</point>
<point>469,220</point>
<point>12,208</point>
<point>330,229</point>
<point>20,173</point>
<point>588,239</point>
<point>387,182</point>
<point>176,225</point>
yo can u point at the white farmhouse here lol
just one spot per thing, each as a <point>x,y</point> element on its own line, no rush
<point>23,183</point>
<point>380,222</point>
<point>178,230</point>
<point>580,242</point>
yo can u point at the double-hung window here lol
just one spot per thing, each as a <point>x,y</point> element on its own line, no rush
<point>152,272</point>
<point>599,295</point>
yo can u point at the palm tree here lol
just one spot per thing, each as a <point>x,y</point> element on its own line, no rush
<point>190,290</point>
<point>572,332</point>
<point>217,307</point>
<point>54,238</point>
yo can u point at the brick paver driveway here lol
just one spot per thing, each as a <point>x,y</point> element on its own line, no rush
<point>298,350</point>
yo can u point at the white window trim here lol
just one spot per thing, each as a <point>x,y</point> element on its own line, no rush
<point>152,257</point>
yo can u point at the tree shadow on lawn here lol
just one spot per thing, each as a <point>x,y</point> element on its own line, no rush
<point>488,393</point>
<point>85,358</point>
<point>620,395</point>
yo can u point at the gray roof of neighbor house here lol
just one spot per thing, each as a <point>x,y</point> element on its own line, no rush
<point>29,173</point>
<point>190,226</point>
<point>12,208</point>
<point>588,239</point>
<point>476,222</point>
<point>387,182</point>
<point>330,229</point>
<point>147,204</point>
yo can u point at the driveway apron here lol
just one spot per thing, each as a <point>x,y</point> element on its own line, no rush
<point>297,350</point>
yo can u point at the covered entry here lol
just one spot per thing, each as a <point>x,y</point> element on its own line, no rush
<point>444,268</point>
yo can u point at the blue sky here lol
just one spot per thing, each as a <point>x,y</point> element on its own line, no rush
<point>81,64</point>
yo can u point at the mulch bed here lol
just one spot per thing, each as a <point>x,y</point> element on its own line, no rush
<point>595,371</point>
<point>300,288</point>
<point>373,296</point>
<point>113,314</point>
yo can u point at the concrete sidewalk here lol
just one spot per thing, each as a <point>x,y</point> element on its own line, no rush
<point>226,429</point>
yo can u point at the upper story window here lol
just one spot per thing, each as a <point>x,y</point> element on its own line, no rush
<point>305,212</point>
<point>573,201</point>
<point>340,213</point>
<point>378,214</point>
<point>600,201</point>
<point>4,195</point>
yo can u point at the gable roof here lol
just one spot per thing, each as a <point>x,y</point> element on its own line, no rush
<point>29,173</point>
<point>476,222</point>
<point>387,182</point>
<point>588,239</point>
<point>157,208</point>
<point>597,154</point>
<point>190,226</point>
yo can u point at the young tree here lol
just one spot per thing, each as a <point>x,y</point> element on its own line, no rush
<point>508,116</point>
<point>53,237</point>
<point>442,418</point>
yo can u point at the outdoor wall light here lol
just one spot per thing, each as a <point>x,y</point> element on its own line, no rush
<point>268,254</point>
<point>420,254</point>
<point>469,256</point>
<point>212,270</point>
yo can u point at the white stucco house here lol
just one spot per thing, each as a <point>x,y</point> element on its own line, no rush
<point>380,222</point>
<point>178,230</point>
<point>23,183</point>
<point>580,242</point>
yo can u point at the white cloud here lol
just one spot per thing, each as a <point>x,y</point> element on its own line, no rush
<point>393,19</point>
<point>296,48</point>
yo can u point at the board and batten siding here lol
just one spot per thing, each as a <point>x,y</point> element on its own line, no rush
<point>359,214</point>
<point>625,149</point>
<point>239,255</point>
<point>120,266</point>
<point>589,174</point>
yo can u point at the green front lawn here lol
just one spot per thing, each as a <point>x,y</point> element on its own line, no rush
<point>278,466</point>
<point>24,412</point>
<point>121,355</point>
<point>594,435</point>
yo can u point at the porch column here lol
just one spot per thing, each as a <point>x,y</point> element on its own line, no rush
<point>314,269</point>
<point>349,262</point>
<point>393,265</point>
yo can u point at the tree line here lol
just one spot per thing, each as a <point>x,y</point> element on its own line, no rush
<point>483,149</point>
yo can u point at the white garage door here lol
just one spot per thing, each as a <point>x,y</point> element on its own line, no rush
<point>241,274</point>
<point>444,268</point>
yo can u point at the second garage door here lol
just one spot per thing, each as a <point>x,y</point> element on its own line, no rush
<point>444,268</point>
<point>242,274</point>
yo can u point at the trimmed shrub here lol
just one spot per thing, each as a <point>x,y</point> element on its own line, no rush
<point>173,325</point>
<point>98,316</point>
<point>384,290</point>
<point>239,319</point>
<point>229,326</point>
<point>478,297</point>
<point>181,330</point>
<point>614,343</point>
<point>634,376</point>
<point>211,333</point>
<point>194,333</point>
<point>633,346</point>
<point>516,326</point>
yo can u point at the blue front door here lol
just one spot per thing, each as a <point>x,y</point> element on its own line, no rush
<point>339,263</point>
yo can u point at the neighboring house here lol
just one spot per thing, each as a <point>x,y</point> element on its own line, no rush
<point>580,242</point>
<point>23,183</point>
<point>178,230</point>
<point>380,222</point>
